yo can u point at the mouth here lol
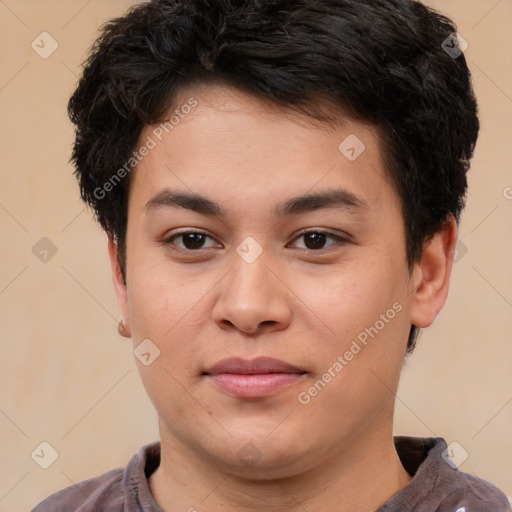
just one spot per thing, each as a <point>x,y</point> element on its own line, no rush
<point>255,378</point>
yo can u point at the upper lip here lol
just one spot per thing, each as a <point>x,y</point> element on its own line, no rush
<point>260,365</point>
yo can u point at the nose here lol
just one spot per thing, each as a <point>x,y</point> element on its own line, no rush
<point>252,299</point>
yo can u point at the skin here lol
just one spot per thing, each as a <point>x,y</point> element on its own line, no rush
<point>299,304</point>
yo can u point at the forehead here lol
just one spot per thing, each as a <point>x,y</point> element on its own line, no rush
<point>244,153</point>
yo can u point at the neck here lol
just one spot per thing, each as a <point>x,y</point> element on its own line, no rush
<point>359,477</point>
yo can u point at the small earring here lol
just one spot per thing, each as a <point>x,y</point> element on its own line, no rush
<point>123,329</point>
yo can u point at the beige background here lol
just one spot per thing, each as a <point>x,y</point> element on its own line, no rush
<point>67,378</point>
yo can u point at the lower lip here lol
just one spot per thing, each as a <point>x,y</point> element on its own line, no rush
<point>255,385</point>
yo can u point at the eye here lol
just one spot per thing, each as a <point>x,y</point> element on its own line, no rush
<point>190,240</point>
<point>316,240</point>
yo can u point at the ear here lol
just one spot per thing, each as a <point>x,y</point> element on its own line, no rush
<point>119,287</point>
<point>431,275</point>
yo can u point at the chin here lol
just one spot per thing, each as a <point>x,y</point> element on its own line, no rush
<point>256,454</point>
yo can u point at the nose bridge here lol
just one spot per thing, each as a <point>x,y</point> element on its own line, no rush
<point>252,279</point>
<point>252,295</point>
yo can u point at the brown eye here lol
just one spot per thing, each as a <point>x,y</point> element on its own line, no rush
<point>316,240</point>
<point>189,240</point>
<point>193,240</point>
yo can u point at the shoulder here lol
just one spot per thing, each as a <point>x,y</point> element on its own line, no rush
<point>115,491</point>
<point>85,496</point>
<point>438,485</point>
<point>475,493</point>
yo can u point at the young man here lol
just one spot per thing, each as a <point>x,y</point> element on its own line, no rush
<point>281,183</point>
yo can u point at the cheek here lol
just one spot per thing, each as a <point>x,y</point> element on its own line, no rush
<point>161,297</point>
<point>350,297</point>
<point>360,352</point>
<point>166,308</point>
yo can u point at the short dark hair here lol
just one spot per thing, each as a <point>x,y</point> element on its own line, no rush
<point>384,62</point>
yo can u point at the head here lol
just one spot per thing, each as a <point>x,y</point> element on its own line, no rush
<point>257,119</point>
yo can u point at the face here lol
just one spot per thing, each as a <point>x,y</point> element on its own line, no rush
<point>266,271</point>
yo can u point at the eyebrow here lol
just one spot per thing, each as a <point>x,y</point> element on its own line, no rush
<point>337,198</point>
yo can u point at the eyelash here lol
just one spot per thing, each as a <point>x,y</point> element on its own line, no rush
<point>339,239</point>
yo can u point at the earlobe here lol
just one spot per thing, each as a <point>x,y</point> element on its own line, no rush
<point>120,289</point>
<point>431,275</point>
<point>123,328</point>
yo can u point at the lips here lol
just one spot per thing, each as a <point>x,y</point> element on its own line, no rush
<point>254,378</point>
<point>257,366</point>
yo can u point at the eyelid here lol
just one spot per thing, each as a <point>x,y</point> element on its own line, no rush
<point>322,231</point>
<point>168,239</point>
<point>340,238</point>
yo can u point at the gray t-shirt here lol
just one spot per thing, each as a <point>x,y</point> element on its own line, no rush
<point>435,486</point>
